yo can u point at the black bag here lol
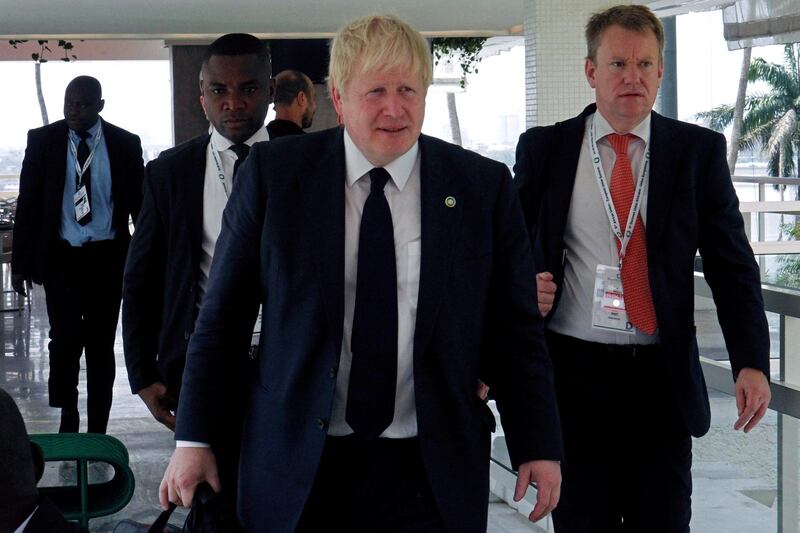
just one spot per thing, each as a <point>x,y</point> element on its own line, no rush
<point>159,526</point>
<point>209,514</point>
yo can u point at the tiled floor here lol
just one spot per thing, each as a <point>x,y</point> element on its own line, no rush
<point>25,378</point>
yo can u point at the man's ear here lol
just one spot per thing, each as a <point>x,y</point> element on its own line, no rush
<point>590,69</point>
<point>101,106</point>
<point>201,99</point>
<point>336,98</point>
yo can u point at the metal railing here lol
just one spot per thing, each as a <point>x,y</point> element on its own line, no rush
<point>757,210</point>
<point>785,396</point>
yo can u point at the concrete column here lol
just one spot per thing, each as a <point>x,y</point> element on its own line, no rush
<point>555,51</point>
<point>667,101</point>
<point>188,119</point>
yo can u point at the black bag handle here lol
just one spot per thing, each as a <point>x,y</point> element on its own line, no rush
<point>161,521</point>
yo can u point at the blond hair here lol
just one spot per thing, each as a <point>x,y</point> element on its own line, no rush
<point>377,43</point>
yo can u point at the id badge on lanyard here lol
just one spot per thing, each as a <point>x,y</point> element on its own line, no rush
<point>81,201</point>
<point>81,197</point>
<point>608,309</point>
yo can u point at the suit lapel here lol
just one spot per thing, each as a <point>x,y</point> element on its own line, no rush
<point>439,224</point>
<point>565,152</point>
<point>194,177</point>
<point>661,181</point>
<point>322,192</point>
<point>57,157</point>
<point>115,160</point>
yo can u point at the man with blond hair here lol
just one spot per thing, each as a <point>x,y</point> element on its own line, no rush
<point>618,201</point>
<point>393,270</point>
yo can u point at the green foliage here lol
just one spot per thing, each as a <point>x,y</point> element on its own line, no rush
<point>771,120</point>
<point>44,49</point>
<point>461,50</point>
<point>788,273</point>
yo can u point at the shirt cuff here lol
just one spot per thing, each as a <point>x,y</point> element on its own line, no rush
<point>191,444</point>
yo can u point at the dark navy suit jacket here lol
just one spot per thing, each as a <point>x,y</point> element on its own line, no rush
<point>691,206</point>
<point>282,241</point>
<point>159,295</point>
<point>41,190</point>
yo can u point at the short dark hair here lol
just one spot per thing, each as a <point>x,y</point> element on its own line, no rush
<point>288,84</point>
<point>89,85</point>
<point>238,44</point>
<point>631,17</point>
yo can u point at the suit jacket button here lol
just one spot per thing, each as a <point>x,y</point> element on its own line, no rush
<point>186,335</point>
<point>332,373</point>
<point>321,423</point>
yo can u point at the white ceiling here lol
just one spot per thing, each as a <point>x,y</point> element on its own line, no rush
<point>203,19</point>
<point>139,29</point>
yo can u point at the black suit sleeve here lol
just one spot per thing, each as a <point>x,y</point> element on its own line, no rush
<point>143,288</point>
<point>729,266</point>
<point>135,179</point>
<point>522,375</point>
<point>29,206</point>
<point>224,326</point>
<point>528,176</point>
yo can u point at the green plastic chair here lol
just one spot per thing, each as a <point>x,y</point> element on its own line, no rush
<point>83,501</point>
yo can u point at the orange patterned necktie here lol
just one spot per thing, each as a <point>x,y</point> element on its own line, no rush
<point>635,283</point>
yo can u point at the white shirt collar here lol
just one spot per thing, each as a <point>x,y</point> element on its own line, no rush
<point>223,143</point>
<point>23,525</point>
<point>357,165</point>
<point>603,128</point>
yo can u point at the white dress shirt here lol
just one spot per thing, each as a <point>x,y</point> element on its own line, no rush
<point>215,196</point>
<point>403,195</point>
<point>23,525</point>
<point>589,240</point>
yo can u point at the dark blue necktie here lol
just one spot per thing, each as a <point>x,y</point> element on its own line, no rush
<point>373,373</point>
<point>86,178</point>
<point>241,150</point>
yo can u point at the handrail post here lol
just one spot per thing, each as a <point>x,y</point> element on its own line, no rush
<point>789,431</point>
<point>762,230</point>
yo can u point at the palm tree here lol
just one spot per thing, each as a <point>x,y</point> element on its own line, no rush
<point>771,120</point>
<point>38,59</point>
<point>738,111</point>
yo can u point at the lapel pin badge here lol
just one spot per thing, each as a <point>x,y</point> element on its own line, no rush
<point>450,201</point>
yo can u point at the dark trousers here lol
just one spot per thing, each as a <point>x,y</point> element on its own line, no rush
<point>627,452</point>
<point>371,486</point>
<point>83,291</point>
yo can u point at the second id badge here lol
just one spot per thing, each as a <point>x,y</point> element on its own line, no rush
<point>608,309</point>
<point>81,201</point>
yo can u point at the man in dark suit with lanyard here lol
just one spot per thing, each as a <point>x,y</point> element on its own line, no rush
<point>81,180</point>
<point>393,269</point>
<point>618,201</point>
<point>185,192</point>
